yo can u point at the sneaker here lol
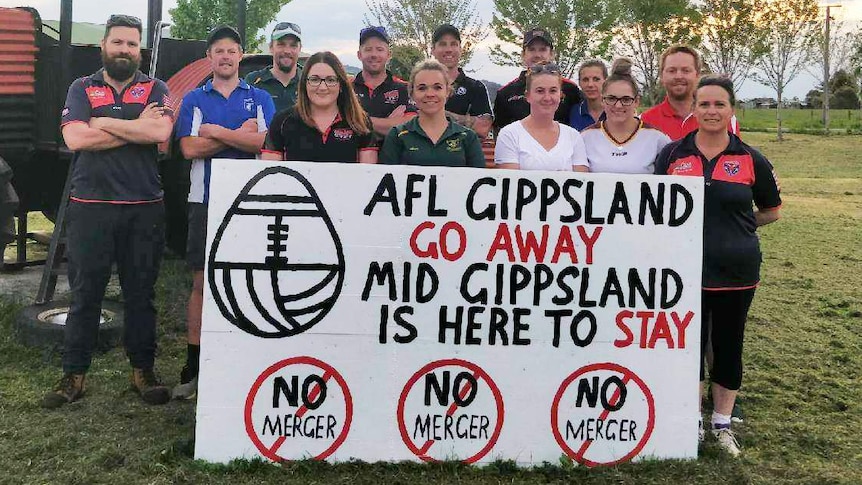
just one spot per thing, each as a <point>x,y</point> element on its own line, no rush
<point>737,415</point>
<point>701,433</point>
<point>188,386</point>
<point>69,389</point>
<point>727,440</point>
<point>148,386</point>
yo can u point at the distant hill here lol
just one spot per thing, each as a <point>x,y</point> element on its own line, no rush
<point>492,88</point>
<point>352,70</point>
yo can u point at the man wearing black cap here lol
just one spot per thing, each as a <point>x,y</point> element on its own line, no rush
<point>469,104</point>
<point>113,120</point>
<point>280,79</point>
<point>225,118</point>
<point>383,96</point>
<point>510,104</point>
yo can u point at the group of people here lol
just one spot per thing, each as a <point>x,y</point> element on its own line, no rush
<point>315,112</point>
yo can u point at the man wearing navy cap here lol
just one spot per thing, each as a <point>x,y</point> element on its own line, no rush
<point>226,118</point>
<point>469,104</point>
<point>280,79</point>
<point>510,104</point>
<point>383,96</point>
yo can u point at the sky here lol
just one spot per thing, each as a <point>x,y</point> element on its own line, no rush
<point>344,18</point>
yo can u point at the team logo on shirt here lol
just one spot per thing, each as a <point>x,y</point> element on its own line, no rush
<point>453,145</point>
<point>65,112</point>
<point>249,104</point>
<point>137,92</point>
<point>731,167</point>
<point>97,93</point>
<point>683,167</point>
<point>461,91</point>
<point>516,97</point>
<point>342,134</point>
<point>391,97</point>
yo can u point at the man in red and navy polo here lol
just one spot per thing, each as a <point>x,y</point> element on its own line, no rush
<point>383,96</point>
<point>113,120</point>
<point>680,68</point>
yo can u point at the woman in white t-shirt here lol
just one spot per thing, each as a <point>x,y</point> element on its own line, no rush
<point>537,142</point>
<point>622,143</point>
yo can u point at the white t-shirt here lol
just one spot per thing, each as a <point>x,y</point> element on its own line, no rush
<point>516,145</point>
<point>635,155</point>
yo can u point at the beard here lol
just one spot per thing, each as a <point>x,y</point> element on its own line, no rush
<point>285,66</point>
<point>120,67</point>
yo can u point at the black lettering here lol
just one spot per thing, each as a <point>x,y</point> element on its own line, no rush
<point>585,285</point>
<point>499,318</point>
<point>520,326</point>
<point>526,194</point>
<point>473,325</point>
<point>655,205</point>
<point>386,192</point>
<point>550,194</point>
<point>471,389</point>
<point>666,300</point>
<point>622,392</point>
<point>519,278</point>
<point>489,212</point>
<point>454,325</point>
<point>385,274</point>
<point>557,315</point>
<point>647,293</point>
<point>481,296</point>
<point>412,179</point>
<point>575,327</point>
<point>433,211</point>
<point>291,392</point>
<point>620,205</point>
<point>425,272</point>
<point>306,391</point>
<point>677,191</point>
<point>399,319</point>
<point>576,208</point>
<point>589,219</point>
<point>543,279</point>
<point>588,391</point>
<point>612,287</point>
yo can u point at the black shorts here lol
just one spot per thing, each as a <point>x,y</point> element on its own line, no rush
<point>197,239</point>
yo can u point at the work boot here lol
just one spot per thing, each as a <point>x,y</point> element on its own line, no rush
<point>188,386</point>
<point>69,389</point>
<point>151,390</point>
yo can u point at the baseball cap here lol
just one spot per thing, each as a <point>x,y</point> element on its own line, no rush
<point>446,29</point>
<point>285,28</point>
<point>223,32</point>
<point>373,31</point>
<point>537,33</point>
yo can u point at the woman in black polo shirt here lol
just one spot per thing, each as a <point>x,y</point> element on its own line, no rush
<point>327,124</point>
<point>430,138</point>
<point>736,177</point>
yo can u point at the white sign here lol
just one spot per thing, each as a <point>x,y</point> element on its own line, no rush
<point>423,313</point>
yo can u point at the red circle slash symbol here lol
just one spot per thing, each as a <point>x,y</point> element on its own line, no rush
<point>598,418</point>
<point>458,404</point>
<point>301,399</point>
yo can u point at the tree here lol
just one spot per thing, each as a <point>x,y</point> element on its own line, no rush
<point>581,29</point>
<point>834,49</point>
<point>652,26</point>
<point>732,37</point>
<point>411,23</point>
<point>194,19</point>
<point>792,38</point>
<point>404,57</point>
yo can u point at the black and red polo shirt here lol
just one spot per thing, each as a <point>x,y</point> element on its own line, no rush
<point>735,181</point>
<point>126,174</point>
<point>511,105</point>
<point>469,97</point>
<point>380,101</point>
<point>293,139</point>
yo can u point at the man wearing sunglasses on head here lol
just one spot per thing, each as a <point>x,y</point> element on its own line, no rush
<point>226,118</point>
<point>383,96</point>
<point>280,79</point>
<point>510,104</point>
<point>113,120</point>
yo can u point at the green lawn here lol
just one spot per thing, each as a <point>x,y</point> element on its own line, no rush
<point>841,121</point>
<point>802,391</point>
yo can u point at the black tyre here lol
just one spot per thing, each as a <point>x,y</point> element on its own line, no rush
<point>44,325</point>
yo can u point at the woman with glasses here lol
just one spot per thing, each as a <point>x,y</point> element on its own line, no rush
<point>327,124</point>
<point>741,193</point>
<point>430,138</point>
<point>537,142</point>
<point>622,143</point>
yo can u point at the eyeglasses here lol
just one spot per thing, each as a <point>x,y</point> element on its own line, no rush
<point>375,29</point>
<point>330,81</point>
<point>550,68</point>
<point>613,100</point>
<point>287,25</point>
<point>120,20</point>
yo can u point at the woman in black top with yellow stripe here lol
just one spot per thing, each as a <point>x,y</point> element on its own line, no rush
<point>431,138</point>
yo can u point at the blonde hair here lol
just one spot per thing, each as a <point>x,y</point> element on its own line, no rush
<point>348,103</point>
<point>429,65</point>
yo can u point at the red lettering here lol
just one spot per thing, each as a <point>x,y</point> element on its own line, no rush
<point>530,244</point>
<point>444,241</point>
<point>661,330</point>
<point>681,326</point>
<point>502,242</point>
<point>565,245</point>
<point>590,241</point>
<point>644,316</point>
<point>621,324</point>
<point>431,251</point>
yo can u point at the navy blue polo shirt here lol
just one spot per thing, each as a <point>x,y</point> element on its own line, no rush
<point>206,105</point>
<point>125,174</point>
<point>736,179</point>
<point>381,101</point>
<point>580,117</point>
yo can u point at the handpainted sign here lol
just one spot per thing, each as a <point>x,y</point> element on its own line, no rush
<point>429,313</point>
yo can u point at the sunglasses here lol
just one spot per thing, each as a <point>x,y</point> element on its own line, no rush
<point>613,100</point>
<point>551,68</point>
<point>120,20</point>
<point>287,25</point>
<point>375,29</point>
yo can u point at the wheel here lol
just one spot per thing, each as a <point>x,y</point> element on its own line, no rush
<point>44,325</point>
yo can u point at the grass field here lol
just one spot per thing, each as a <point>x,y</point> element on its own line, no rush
<point>841,121</point>
<point>802,390</point>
